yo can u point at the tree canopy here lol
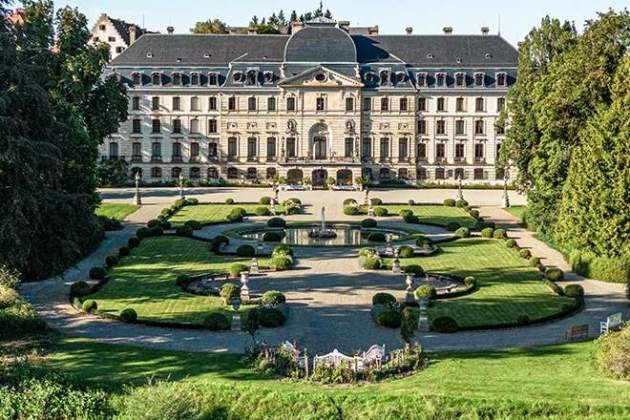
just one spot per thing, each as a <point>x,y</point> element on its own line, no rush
<point>214,26</point>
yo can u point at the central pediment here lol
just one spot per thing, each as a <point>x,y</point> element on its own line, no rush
<point>320,76</point>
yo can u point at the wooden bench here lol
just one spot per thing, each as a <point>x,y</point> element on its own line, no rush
<point>576,332</point>
<point>613,322</point>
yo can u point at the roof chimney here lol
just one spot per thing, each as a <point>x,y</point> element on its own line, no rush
<point>344,24</point>
<point>485,30</point>
<point>132,34</point>
<point>448,30</point>
<point>296,26</point>
<point>373,30</point>
<point>170,30</point>
<point>408,30</point>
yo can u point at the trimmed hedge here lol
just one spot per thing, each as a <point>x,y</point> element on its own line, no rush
<point>445,324</point>
<point>534,261</point>
<point>351,211</point>
<point>382,298</point>
<point>246,251</point>
<point>216,321</point>
<point>414,269</point>
<point>265,200</point>
<point>128,315</point>
<point>276,222</point>
<point>370,262</point>
<point>237,268</point>
<point>271,317</point>
<point>461,203</point>
<point>273,297</point>
<point>229,291</point>
<point>425,291</point>
<point>376,201</point>
<point>405,212</point>
<point>554,274</point>
<point>350,202</point>
<point>80,288</point>
<point>614,270</point>
<point>262,211</point>
<point>229,201</point>
<point>487,232</point>
<point>133,242</point>
<point>574,291</point>
<point>462,232</point>
<point>405,252</point>
<point>525,253</point>
<point>380,212</point>
<point>369,223</point>
<point>97,273</point>
<point>217,242</point>
<point>281,262</point>
<point>389,318</point>
<point>474,213</point>
<point>282,249</point>
<point>510,243</point>
<point>376,237</point>
<point>274,236</point>
<point>411,218</point>
<point>499,234</point>
<point>449,202</point>
<point>184,230</point>
<point>236,215</point>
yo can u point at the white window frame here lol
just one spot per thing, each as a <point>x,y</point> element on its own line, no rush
<point>496,78</point>
<point>483,79</point>
<point>424,75</point>
<point>437,77</point>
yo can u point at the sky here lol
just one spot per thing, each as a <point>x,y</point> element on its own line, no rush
<point>392,17</point>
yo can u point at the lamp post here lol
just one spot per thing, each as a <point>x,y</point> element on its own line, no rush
<point>460,193</point>
<point>181,185</point>
<point>137,198</point>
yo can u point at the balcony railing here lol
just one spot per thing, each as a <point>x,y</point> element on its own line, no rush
<point>195,159</point>
<point>480,160</point>
<point>156,159</point>
<point>176,159</point>
<point>136,158</point>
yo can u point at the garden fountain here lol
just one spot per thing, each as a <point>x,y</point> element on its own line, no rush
<point>322,232</point>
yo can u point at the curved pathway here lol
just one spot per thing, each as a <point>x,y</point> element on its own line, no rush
<point>330,299</point>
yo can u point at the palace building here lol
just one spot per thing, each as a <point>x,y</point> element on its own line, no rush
<point>322,102</point>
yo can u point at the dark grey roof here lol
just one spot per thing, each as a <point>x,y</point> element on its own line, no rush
<point>320,44</point>
<point>122,28</point>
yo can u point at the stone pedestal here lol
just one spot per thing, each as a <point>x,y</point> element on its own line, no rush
<point>396,266</point>
<point>253,269</point>
<point>244,287</point>
<point>371,211</point>
<point>409,296</point>
<point>236,322</point>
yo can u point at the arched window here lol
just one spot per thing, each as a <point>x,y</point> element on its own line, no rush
<point>252,174</point>
<point>195,173</point>
<point>175,172</point>
<point>156,172</point>
<point>232,173</point>
<point>403,173</point>
<point>213,173</point>
<point>271,173</point>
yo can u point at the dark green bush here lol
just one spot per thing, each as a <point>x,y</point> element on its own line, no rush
<point>273,297</point>
<point>237,268</point>
<point>155,231</point>
<point>421,241</point>
<point>192,201</point>
<point>612,354</point>
<point>80,288</point>
<point>487,232</point>
<point>236,215</point>
<point>474,213</point>
<point>615,270</point>
<point>271,317</point>
<point>216,321</point>
<point>369,223</point>
<point>573,291</point>
<point>554,274</point>
<point>292,202</point>
<point>123,251</point>
<point>461,203</point>
<point>229,201</point>
<point>276,222</point>
<point>217,242</point>
<point>405,212</point>
<point>425,291</point>
<point>510,243</point>
<point>411,203</point>
<point>153,223</point>
<point>376,237</point>
<point>380,211</point>
<point>499,234</point>
<point>462,232</point>
<point>525,253</point>
<point>98,273</point>
<point>445,324</point>
<point>414,269</point>
<point>274,236</point>
<point>376,201</point>
<point>281,263</point>
<point>262,211</point>
<point>265,200</point>
<point>133,242</point>
<point>449,202</point>
<point>282,249</point>
<point>229,291</point>
<point>183,280</point>
<point>382,298</point>
<point>411,218</point>
<point>452,226</point>
<point>128,315</point>
<point>246,251</point>
<point>89,306</point>
<point>111,260</point>
<point>184,230</point>
<point>349,202</point>
<point>108,223</point>
<point>405,251</point>
<point>534,261</point>
<point>193,224</point>
<point>351,211</point>
<point>370,262</point>
<point>389,318</point>
<point>367,251</point>
<point>522,320</point>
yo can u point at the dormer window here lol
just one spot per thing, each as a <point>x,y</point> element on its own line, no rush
<point>440,79</point>
<point>212,79</point>
<point>370,77</point>
<point>384,74</point>
<point>501,79</point>
<point>156,79</point>
<point>268,77</point>
<point>177,79</point>
<point>421,79</point>
<point>136,78</point>
<point>194,79</point>
<point>401,77</point>
<point>238,77</point>
<point>460,79</point>
<point>479,79</point>
<point>252,77</point>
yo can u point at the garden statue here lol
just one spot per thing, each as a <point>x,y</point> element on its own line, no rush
<point>460,193</point>
<point>136,198</point>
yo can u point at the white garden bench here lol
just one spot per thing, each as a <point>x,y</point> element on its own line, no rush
<point>613,322</point>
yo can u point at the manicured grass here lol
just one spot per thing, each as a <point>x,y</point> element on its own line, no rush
<point>517,211</point>
<point>214,213</point>
<point>436,215</point>
<point>555,379</point>
<point>116,210</point>
<point>145,280</point>
<point>509,287</point>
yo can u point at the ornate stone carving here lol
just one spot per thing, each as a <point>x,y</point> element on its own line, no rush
<point>232,125</point>
<point>350,127</point>
<point>291,126</point>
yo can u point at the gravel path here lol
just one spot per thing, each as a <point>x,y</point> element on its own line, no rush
<point>329,295</point>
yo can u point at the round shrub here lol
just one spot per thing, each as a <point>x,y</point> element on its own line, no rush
<point>376,237</point>
<point>461,203</point>
<point>153,223</point>
<point>184,230</point>
<point>411,203</point>
<point>389,319</point>
<point>183,280</point>
<point>216,321</point>
<point>133,242</point>
<point>351,211</point>
<point>128,315</point>
<point>405,212</point>
<point>282,249</point>
<point>246,251</point>
<point>474,213</point>
<point>522,320</point>
<point>271,317</point>
<point>265,200</point>
<point>525,253</point>
<point>155,231</point>
<point>229,291</point>
<point>80,288</point>
<point>179,203</point>
<point>123,251</point>
<point>449,202</point>
<point>534,261</point>
<point>192,201</point>
<point>89,306</point>
<point>425,291</point>
<point>487,232</point>
<point>470,281</point>
<point>414,269</point>
<point>273,297</point>
<point>366,252</point>
<point>452,226</point>
<point>405,251</point>
<point>111,260</point>
<point>612,353</point>
<point>445,324</point>
<point>349,202</point>
<point>554,274</point>
<point>368,223</point>
<point>370,262</point>
<point>411,218</point>
<point>274,236</point>
<point>293,210</point>
<point>217,242</point>
<point>193,224</point>
<point>98,273</point>
<point>292,202</point>
<point>229,201</point>
<point>281,262</point>
<point>462,232</point>
<point>237,268</point>
<point>262,211</point>
<point>376,201</point>
<point>421,241</point>
<point>499,234</point>
<point>510,243</point>
<point>276,222</point>
<point>383,298</point>
<point>380,211</point>
<point>236,215</point>
<point>574,291</point>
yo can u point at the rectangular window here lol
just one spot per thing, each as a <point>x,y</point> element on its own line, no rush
<point>252,148</point>
<point>136,78</point>
<point>156,126</point>
<point>177,103</point>
<point>366,148</point>
<point>156,79</point>
<point>460,79</point>
<point>384,104</point>
<point>212,79</point>
<point>251,103</point>
<point>460,127</point>
<point>177,151</point>
<point>194,126</point>
<point>271,147</point>
<point>440,79</point>
<point>479,151</point>
<point>291,148</point>
<point>136,126</point>
<point>213,150</point>
<point>113,150</point>
<point>155,103</point>
<point>135,103</point>
<point>290,104</point>
<point>177,79</point>
<point>212,127</point>
<point>501,79</point>
<point>367,104</point>
<point>440,151</point>
<point>212,103</point>
<point>136,152</point>
<point>156,151</point>
<point>403,104</point>
<point>271,104</point>
<point>459,151</point>
<point>500,104</point>
<point>479,105</point>
<point>319,104</point>
<point>422,150</point>
<point>422,104</point>
<point>440,127</point>
<point>194,79</point>
<point>194,104</point>
<point>403,148</point>
<point>348,150</point>
<point>232,148</point>
<point>479,79</point>
<point>194,150</point>
<point>384,148</point>
<point>231,103</point>
<point>349,104</point>
<point>177,126</point>
<point>479,127</point>
<point>422,127</point>
<point>441,107</point>
<point>459,105</point>
<point>421,79</point>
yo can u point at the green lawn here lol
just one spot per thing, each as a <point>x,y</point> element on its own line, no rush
<point>436,215</point>
<point>116,210</point>
<point>145,280</point>
<point>509,286</point>
<point>517,211</point>
<point>213,213</point>
<point>558,379</point>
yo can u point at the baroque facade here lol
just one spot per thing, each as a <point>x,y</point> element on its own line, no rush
<point>320,103</point>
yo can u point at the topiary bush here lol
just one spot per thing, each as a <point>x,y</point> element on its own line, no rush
<point>411,203</point>
<point>499,234</point>
<point>462,232</point>
<point>376,201</point>
<point>525,253</point>
<point>425,291</point>
<point>89,306</point>
<point>470,281</point>
<point>389,318</point>
<point>376,237</point>
<point>193,224</point>
<point>111,260</point>
<point>554,274</point>
<point>574,291</point>
<point>276,222</point>
<point>265,200</point>
<point>487,232</point>
<point>282,249</point>
<point>183,280</point>
<point>292,202</point>
<point>461,203</point>
<point>449,202</point>
<point>405,212</point>
<point>262,211</point>
<point>510,243</point>
<point>281,262</point>
<point>411,218</point>
<point>246,251</point>
<point>405,251</point>
<point>123,251</point>
<point>97,273</point>
<point>380,212</point>
<point>133,242</point>
<point>369,223</point>
<point>184,230</point>
<point>350,202</point>
<point>155,231</point>
<point>237,268</point>
<point>452,226</point>
<point>229,291</point>
<point>414,269</point>
<point>128,315</point>
<point>80,288</point>
<point>534,261</point>
<point>236,215</point>
<point>271,317</point>
<point>351,211</point>
<point>273,297</point>
<point>372,262</point>
<point>216,321</point>
<point>273,236</point>
<point>613,353</point>
<point>444,324</point>
<point>153,223</point>
<point>382,298</point>
<point>474,213</point>
<point>192,201</point>
<point>229,201</point>
<point>217,242</point>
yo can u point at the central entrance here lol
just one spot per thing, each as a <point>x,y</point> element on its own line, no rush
<point>319,141</point>
<point>319,178</point>
<point>319,146</point>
